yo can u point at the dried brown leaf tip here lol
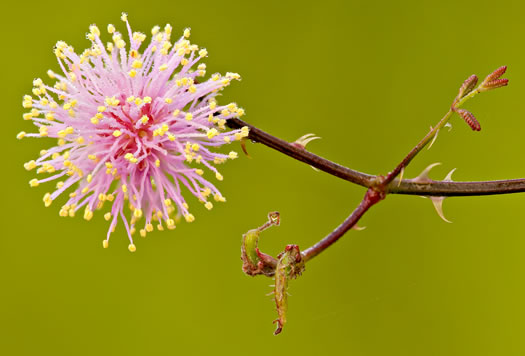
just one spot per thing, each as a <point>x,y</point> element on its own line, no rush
<point>494,80</point>
<point>289,266</point>
<point>469,119</point>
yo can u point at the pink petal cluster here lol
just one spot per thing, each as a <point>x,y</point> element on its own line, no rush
<point>134,128</point>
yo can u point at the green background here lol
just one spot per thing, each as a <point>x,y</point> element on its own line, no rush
<point>369,78</point>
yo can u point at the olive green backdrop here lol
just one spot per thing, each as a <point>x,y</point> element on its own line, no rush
<point>369,78</point>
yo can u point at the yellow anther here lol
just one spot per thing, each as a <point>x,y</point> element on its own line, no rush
<point>189,217</point>
<point>203,52</point>
<point>144,119</point>
<point>138,101</point>
<point>111,28</point>
<point>27,116</point>
<point>107,216</point>
<point>129,99</point>
<point>61,142</point>
<point>155,30</point>
<point>132,73</point>
<point>89,178</point>
<point>50,116</point>
<point>43,131</point>
<point>163,67</point>
<point>184,61</point>
<point>30,165</point>
<point>21,135</point>
<point>102,197</point>
<point>219,176</point>
<point>117,133</point>
<point>110,197</point>
<point>109,165</point>
<point>132,248</point>
<point>187,32</point>
<point>206,192</point>
<point>105,243</point>
<point>195,147</point>
<point>212,133</point>
<point>149,227</point>
<point>157,163</point>
<point>84,190</point>
<point>47,199</point>
<point>147,99</point>
<point>208,205</point>
<point>124,17</point>
<point>93,29</point>
<point>142,232</point>
<point>219,197</point>
<point>88,214</point>
<point>80,140</point>
<point>189,116</point>
<point>233,155</point>
<point>136,64</point>
<point>137,213</point>
<point>124,188</point>
<point>176,113</point>
<point>34,182</point>
<point>192,89</point>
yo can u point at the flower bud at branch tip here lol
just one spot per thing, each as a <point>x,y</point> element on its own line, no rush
<point>468,85</point>
<point>469,119</point>
<point>494,80</point>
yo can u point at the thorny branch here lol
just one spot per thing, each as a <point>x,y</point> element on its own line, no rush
<point>379,186</point>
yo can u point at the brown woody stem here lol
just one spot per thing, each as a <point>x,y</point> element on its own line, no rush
<point>406,186</point>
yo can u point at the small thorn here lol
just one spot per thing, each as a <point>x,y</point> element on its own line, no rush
<point>302,141</point>
<point>433,139</point>
<point>448,178</point>
<point>401,174</point>
<point>449,126</point>
<point>438,205</point>
<point>358,228</point>
<point>423,176</point>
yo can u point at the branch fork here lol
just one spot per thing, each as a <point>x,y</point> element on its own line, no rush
<point>290,263</point>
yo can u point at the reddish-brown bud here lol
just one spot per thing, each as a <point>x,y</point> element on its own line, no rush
<point>496,74</point>
<point>496,83</point>
<point>468,85</point>
<point>469,119</point>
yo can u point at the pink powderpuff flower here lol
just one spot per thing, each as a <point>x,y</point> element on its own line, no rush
<point>133,129</point>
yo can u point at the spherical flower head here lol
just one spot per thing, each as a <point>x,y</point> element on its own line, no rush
<point>135,129</point>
